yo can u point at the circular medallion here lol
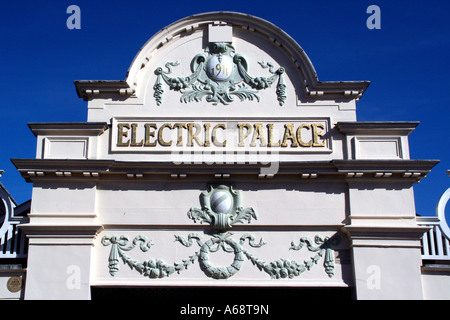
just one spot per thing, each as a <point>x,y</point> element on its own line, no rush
<point>220,272</point>
<point>14,284</point>
<point>221,201</point>
<point>219,67</point>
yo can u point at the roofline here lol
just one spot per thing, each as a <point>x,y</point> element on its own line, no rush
<point>315,89</point>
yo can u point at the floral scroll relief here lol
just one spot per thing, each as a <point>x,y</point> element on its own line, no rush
<point>219,76</point>
<point>221,207</point>
<point>282,268</point>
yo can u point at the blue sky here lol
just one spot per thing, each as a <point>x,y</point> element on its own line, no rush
<point>407,61</point>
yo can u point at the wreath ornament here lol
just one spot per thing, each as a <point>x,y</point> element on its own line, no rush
<point>221,208</point>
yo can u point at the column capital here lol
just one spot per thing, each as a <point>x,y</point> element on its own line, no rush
<point>53,234</point>
<point>381,236</point>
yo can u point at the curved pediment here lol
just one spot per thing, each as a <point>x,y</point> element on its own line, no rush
<point>222,58</point>
<point>255,40</point>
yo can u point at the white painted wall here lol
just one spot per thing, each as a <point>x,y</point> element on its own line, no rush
<point>77,203</point>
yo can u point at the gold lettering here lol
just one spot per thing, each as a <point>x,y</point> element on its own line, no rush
<point>214,136</point>
<point>148,134</point>
<point>299,135</point>
<point>192,136</point>
<point>271,143</point>
<point>258,134</point>
<point>289,134</point>
<point>160,135</point>
<point>180,127</point>
<point>304,135</point>
<point>317,134</point>
<point>122,134</point>
<point>207,127</point>
<point>241,133</point>
<point>133,136</point>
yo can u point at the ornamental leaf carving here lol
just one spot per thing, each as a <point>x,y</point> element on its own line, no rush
<point>279,269</point>
<point>220,207</point>
<point>219,219</point>
<point>219,76</point>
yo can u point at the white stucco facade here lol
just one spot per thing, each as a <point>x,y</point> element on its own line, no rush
<point>246,114</point>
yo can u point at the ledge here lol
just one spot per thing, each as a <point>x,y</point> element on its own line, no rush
<point>385,236</point>
<point>86,89</point>
<point>81,230</point>
<point>59,234</point>
<point>68,128</point>
<point>385,165</point>
<point>394,170</point>
<point>436,269</point>
<point>377,127</point>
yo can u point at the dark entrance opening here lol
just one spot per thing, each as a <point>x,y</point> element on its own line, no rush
<point>241,295</point>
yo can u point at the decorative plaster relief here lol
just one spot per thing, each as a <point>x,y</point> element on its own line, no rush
<point>220,77</point>
<point>221,208</point>
<point>282,268</point>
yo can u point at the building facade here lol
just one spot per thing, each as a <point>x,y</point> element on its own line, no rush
<point>222,161</point>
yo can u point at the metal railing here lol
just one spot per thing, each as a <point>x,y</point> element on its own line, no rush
<point>13,243</point>
<point>436,242</point>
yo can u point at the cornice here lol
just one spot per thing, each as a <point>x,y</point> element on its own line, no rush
<point>65,229</point>
<point>88,89</point>
<point>377,127</point>
<point>416,169</point>
<point>349,170</point>
<point>68,128</point>
<point>61,234</point>
<point>385,236</point>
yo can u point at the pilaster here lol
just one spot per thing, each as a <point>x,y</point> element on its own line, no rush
<point>59,260</point>
<point>386,262</point>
